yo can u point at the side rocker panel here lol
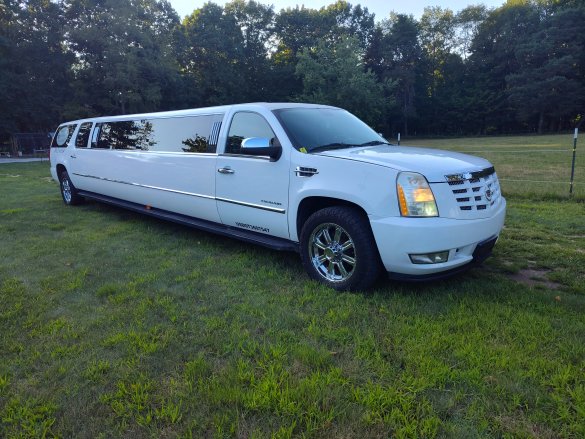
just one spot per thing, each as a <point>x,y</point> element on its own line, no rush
<point>207,226</point>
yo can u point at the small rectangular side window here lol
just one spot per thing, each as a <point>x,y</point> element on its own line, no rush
<point>83,135</point>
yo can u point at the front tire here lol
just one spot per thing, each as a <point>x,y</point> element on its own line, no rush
<point>338,249</point>
<point>70,195</point>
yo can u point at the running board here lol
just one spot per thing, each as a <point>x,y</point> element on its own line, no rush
<point>207,226</point>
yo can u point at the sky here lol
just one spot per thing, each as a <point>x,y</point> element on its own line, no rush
<point>381,8</point>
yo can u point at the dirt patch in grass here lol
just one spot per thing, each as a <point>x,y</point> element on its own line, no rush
<point>534,277</point>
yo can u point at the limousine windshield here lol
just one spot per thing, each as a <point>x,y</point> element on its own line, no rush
<point>313,130</point>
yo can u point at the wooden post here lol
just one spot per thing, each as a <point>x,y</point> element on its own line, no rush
<point>14,143</point>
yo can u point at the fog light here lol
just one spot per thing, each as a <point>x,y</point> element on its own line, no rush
<point>430,258</point>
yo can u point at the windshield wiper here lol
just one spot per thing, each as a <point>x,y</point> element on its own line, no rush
<point>339,145</point>
<point>374,142</point>
<point>335,145</point>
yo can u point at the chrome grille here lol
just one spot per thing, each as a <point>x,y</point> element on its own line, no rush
<point>475,190</point>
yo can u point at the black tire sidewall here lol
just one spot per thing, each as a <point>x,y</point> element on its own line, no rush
<point>356,224</point>
<point>75,197</point>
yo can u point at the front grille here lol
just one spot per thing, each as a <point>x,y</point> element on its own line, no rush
<point>475,190</point>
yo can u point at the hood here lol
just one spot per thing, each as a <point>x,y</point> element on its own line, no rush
<point>434,164</point>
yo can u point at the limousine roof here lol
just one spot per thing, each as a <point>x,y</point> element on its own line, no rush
<point>204,110</point>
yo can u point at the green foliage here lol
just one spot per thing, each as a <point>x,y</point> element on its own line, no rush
<point>395,55</point>
<point>30,418</point>
<point>333,74</point>
<point>211,55</point>
<point>516,68</point>
<point>123,60</point>
<point>550,70</point>
<point>32,59</point>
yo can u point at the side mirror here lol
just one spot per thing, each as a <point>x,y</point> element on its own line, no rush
<point>262,146</point>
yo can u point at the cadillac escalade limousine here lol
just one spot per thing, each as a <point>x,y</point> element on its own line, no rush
<point>308,178</point>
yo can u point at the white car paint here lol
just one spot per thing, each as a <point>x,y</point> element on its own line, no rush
<point>267,194</point>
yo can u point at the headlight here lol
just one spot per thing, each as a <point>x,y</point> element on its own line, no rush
<point>415,196</point>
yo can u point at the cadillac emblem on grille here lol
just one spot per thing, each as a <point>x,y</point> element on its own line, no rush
<point>488,193</point>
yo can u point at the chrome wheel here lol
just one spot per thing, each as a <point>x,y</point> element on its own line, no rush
<point>332,252</point>
<point>66,189</point>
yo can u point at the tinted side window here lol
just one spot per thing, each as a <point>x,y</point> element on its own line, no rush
<point>83,135</point>
<point>63,136</point>
<point>120,135</point>
<point>102,133</point>
<point>245,125</point>
<point>195,134</point>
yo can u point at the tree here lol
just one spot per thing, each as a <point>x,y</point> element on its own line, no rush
<point>256,23</point>
<point>124,62</point>
<point>549,83</point>
<point>334,74</point>
<point>438,40</point>
<point>348,20</point>
<point>212,56</point>
<point>34,84</point>
<point>395,55</point>
<point>492,59</point>
<point>467,22</point>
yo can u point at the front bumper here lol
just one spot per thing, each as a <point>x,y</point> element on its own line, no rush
<point>468,242</point>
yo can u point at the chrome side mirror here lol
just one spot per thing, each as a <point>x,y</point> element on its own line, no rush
<point>262,146</point>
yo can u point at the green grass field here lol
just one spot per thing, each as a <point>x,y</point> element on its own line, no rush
<point>113,324</point>
<point>532,166</point>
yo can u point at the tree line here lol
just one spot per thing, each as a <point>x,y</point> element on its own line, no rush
<point>516,68</point>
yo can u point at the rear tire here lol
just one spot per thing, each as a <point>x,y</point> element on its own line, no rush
<point>69,193</point>
<point>338,249</point>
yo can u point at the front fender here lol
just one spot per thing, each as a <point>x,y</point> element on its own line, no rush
<point>369,186</point>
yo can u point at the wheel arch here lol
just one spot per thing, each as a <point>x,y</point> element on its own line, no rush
<point>60,168</point>
<point>312,204</point>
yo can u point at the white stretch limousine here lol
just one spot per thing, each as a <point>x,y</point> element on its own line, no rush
<point>308,178</point>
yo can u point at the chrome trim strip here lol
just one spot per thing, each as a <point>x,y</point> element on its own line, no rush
<point>246,156</point>
<point>471,175</point>
<point>255,206</point>
<point>214,136</point>
<point>147,186</point>
<point>225,200</point>
<point>143,151</point>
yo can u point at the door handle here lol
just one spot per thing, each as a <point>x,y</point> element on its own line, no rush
<point>226,170</point>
